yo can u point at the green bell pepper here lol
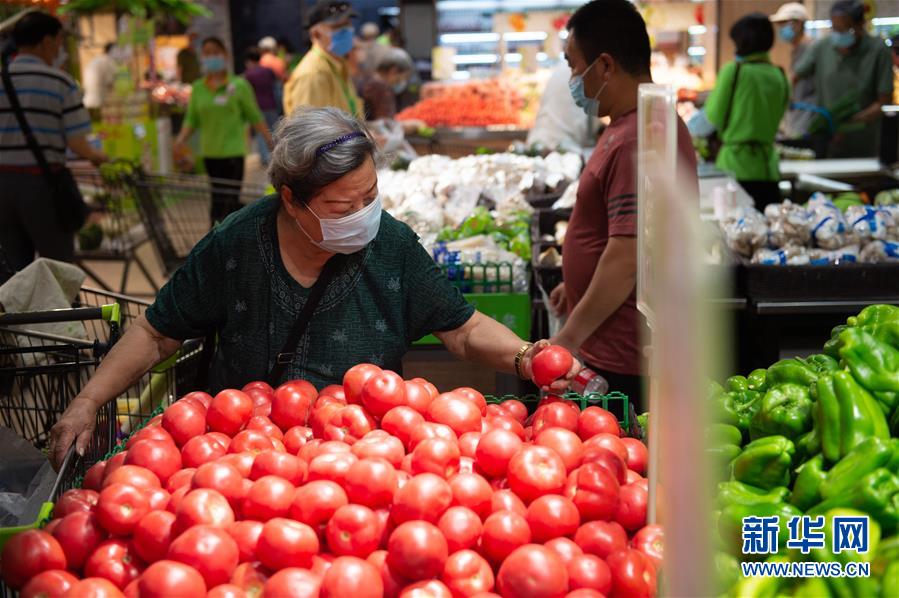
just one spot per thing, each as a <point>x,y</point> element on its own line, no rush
<point>874,315</point>
<point>822,363</point>
<point>876,494</point>
<point>737,408</point>
<point>736,384</point>
<point>794,371</point>
<point>722,456</point>
<point>730,522</point>
<point>827,418</point>
<point>714,390</point>
<point>808,445</point>
<point>893,463</point>
<point>807,487</point>
<point>765,463</point>
<point>738,493</point>
<point>887,553</point>
<point>761,587</point>
<point>813,587</point>
<point>870,454</point>
<point>727,571</point>
<point>723,434</point>
<point>874,363</point>
<point>758,380</point>
<point>786,410</point>
<point>889,583</point>
<point>845,586</point>
<point>832,347</point>
<point>847,416</point>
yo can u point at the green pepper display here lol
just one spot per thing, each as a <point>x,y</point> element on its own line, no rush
<point>737,408</point>
<point>870,454</point>
<point>876,494</point>
<point>848,415</point>
<point>786,410</point>
<point>758,380</point>
<point>874,363</point>
<point>738,493</point>
<point>807,487</point>
<point>765,463</point>
<point>794,371</point>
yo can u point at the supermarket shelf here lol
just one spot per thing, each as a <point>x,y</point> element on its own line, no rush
<point>818,307</point>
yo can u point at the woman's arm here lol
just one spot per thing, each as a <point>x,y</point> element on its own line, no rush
<point>139,349</point>
<point>262,128</point>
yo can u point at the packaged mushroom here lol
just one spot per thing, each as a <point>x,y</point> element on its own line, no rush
<point>745,231</point>
<point>789,224</point>
<point>825,257</point>
<point>787,256</point>
<point>871,223</point>
<point>877,252</point>
<point>828,225</point>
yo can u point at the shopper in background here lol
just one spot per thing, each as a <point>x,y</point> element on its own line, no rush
<point>894,46</point>
<point>790,21</point>
<point>323,77</point>
<point>264,82</point>
<point>389,79</point>
<point>853,75</point>
<point>52,106</point>
<point>560,122</point>
<point>750,97</point>
<point>324,230</point>
<point>270,59</point>
<point>221,106</point>
<point>187,60</point>
<point>99,77</point>
<point>609,55</point>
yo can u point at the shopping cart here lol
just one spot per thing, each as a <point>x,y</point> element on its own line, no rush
<point>175,210</point>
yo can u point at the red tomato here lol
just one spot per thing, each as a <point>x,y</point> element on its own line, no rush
<point>650,541</point>
<point>473,396</point>
<point>184,421</point>
<point>153,535</point>
<point>291,404</point>
<point>243,462</point>
<point>259,385</point>
<point>400,422</point>
<point>382,392</point>
<point>331,466</point>
<point>550,364</point>
<point>431,588</point>
<point>504,422</point>
<point>504,531</point>
<point>352,576</point>
<point>431,430</point>
<point>115,560</point>
<point>149,433</point>
<point>203,507</point>
<point>466,573</point>
<point>348,424</point>
<point>417,550</point>
<point>594,491</point>
<point>132,475</point>
<point>202,398</point>
<point>226,590</point>
<point>94,587</point>
<point>114,463</point>
<point>93,479</point>
<point>371,482</point>
<point>612,462</point>
<point>590,572</point>
<point>180,479</point>
<point>176,498</point>
<point>158,499</point>
<point>565,548</point>
<point>201,449</point>
<point>75,501</point>
<point>461,527</point>
<point>28,553</point>
<point>159,456</point>
<point>533,570</point>
<point>316,502</point>
<point>473,491</point>
<point>432,390</point>
<point>208,549</point>
<point>380,444</point>
<point>286,543</point>
<point>506,500</point>
<point>269,497</point>
<point>48,584</point>
<point>333,390</point>
<point>246,535</point>
<point>535,471</point>
<point>291,468</point>
<point>495,450</point>
<point>250,441</point>
<point>418,396</point>
<point>637,454</point>
<point>632,573</point>
<point>468,444</point>
<point>601,538</point>
<point>321,416</point>
<point>251,577</point>
<point>559,414</point>
<point>223,478</point>
<point>296,437</point>
<point>437,456</point>
<point>354,530</point>
<point>393,583</point>
<point>607,441</point>
<point>455,411</point>
<point>516,409</point>
<point>354,380</point>
<point>229,412</point>
<point>263,424</point>
<point>120,508</point>
<point>164,579</point>
<point>294,582</point>
<point>565,442</point>
<point>78,534</point>
<point>552,516</point>
<point>425,496</point>
<point>631,513</point>
<point>595,420</point>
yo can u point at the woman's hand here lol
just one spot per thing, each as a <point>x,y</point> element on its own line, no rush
<point>76,425</point>
<point>559,386</point>
<point>558,300</point>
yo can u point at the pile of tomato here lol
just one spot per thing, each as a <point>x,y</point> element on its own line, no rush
<point>472,104</point>
<point>379,487</point>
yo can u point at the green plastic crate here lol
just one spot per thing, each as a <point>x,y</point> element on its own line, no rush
<point>511,309</point>
<point>607,402</point>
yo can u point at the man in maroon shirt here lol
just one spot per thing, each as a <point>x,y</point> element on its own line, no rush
<point>608,52</point>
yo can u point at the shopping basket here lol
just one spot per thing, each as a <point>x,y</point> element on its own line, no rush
<point>175,210</point>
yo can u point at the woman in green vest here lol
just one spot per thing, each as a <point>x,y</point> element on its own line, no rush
<point>746,106</point>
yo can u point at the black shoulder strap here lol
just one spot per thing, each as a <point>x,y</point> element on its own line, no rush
<point>283,359</point>
<point>20,117</point>
<point>730,101</point>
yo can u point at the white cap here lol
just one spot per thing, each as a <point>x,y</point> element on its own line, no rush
<point>268,43</point>
<point>791,11</point>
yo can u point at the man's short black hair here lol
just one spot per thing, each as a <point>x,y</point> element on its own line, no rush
<point>32,28</point>
<point>853,9</point>
<point>752,34</point>
<point>215,41</point>
<point>613,27</point>
<point>253,54</point>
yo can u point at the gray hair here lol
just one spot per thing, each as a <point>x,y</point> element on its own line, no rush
<point>393,57</point>
<point>296,161</point>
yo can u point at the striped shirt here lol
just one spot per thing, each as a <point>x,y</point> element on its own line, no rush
<point>52,104</point>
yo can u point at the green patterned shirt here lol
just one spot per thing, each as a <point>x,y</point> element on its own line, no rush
<point>386,296</point>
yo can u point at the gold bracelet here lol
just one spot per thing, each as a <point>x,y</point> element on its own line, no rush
<point>519,356</point>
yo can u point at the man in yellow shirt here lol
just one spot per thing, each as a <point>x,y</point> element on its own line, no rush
<point>322,78</point>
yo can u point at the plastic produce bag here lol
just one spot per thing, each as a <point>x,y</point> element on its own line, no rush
<point>26,480</point>
<point>392,138</point>
<point>824,257</point>
<point>788,256</point>
<point>789,224</point>
<point>870,223</point>
<point>828,227</point>
<point>877,252</point>
<point>745,231</point>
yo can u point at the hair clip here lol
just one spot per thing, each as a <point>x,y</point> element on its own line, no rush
<point>343,139</point>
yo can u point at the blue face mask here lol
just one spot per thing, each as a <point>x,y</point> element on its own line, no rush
<point>842,40</point>
<point>400,87</point>
<point>590,106</point>
<point>341,42</point>
<point>214,64</point>
<point>787,33</point>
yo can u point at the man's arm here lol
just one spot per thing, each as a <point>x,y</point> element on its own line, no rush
<point>872,112</point>
<point>611,285</point>
<point>83,149</point>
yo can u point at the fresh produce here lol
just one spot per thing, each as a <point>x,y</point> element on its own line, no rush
<point>471,104</point>
<point>380,487</point>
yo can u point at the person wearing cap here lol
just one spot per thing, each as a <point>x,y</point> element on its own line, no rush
<point>268,46</point>
<point>853,75</point>
<point>790,21</point>
<point>322,78</point>
<point>322,240</point>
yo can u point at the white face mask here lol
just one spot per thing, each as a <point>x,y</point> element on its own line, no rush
<point>350,233</point>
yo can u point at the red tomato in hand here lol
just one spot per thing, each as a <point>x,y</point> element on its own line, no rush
<point>590,572</point>
<point>461,527</point>
<point>294,582</point>
<point>535,471</point>
<point>632,503</point>
<point>417,550</point>
<point>550,364</point>
<point>565,548</point>
<point>382,392</point>
<point>533,570</point>
<point>504,531</point>
<point>437,456</point>
<point>120,508</point>
<point>352,576</point>
<point>594,491</point>
<point>48,584</point>
<point>116,561</point>
<point>316,502</point>
<point>354,530</point>
<point>371,482</point>
<point>269,497</point>
<point>286,543</point>
<point>425,496</point>
<point>210,550</point>
<point>291,404</point>
<point>28,553</point>
<point>153,535</point>
<point>552,516</point>
<point>159,456</point>
<point>164,579</point>
<point>78,534</point>
<point>650,541</point>
<point>466,573</point>
<point>229,412</point>
<point>202,507</point>
<point>455,411</point>
<point>601,538</point>
<point>283,465</point>
<point>184,421</point>
<point>632,573</point>
<point>495,449</point>
<point>355,378</point>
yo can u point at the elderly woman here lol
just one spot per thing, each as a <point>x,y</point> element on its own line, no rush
<point>305,284</point>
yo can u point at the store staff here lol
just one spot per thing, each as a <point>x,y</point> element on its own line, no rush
<point>323,77</point>
<point>609,54</point>
<point>249,279</point>
<point>790,23</point>
<point>853,75</point>
<point>750,98</point>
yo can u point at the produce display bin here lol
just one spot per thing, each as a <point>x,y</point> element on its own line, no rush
<point>615,402</point>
